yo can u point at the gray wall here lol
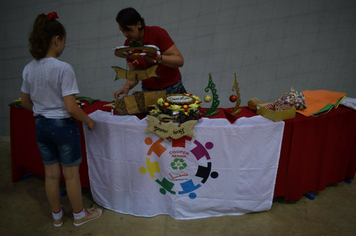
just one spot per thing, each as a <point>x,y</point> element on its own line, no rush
<point>272,45</point>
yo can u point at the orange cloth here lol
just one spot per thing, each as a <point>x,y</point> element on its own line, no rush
<point>316,100</point>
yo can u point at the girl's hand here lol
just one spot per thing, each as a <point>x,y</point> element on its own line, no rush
<point>91,124</point>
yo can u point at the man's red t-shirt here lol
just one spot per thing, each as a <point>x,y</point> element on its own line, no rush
<point>159,37</point>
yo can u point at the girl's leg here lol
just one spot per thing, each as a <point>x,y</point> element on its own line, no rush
<point>73,187</point>
<point>74,192</point>
<point>52,178</point>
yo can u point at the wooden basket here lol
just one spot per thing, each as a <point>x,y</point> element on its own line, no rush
<point>138,102</point>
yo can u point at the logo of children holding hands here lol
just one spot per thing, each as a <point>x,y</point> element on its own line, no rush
<point>179,166</point>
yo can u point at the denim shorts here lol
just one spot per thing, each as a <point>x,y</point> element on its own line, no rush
<point>58,141</point>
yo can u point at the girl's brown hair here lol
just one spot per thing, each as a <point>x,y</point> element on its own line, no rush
<point>43,30</point>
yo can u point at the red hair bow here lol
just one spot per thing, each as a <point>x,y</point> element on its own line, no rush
<point>52,15</point>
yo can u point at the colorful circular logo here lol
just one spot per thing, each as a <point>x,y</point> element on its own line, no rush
<point>179,166</point>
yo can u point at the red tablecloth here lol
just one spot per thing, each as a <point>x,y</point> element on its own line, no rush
<point>315,151</point>
<point>25,156</point>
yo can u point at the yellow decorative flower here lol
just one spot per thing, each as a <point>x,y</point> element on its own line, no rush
<point>194,105</point>
<point>175,107</point>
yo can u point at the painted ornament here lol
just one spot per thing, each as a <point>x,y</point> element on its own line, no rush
<point>233,98</point>
<point>207,98</point>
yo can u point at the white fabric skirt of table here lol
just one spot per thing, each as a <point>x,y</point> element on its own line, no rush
<point>226,169</point>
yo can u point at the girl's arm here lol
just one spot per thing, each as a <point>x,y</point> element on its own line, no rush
<point>26,101</point>
<point>76,112</point>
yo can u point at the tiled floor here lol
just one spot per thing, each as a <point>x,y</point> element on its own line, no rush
<point>24,210</point>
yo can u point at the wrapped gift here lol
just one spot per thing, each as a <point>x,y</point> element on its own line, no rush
<point>294,99</point>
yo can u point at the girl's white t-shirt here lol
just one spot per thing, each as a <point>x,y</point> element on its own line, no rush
<point>47,81</point>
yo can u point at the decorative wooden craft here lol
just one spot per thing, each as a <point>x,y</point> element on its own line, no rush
<point>135,50</point>
<point>137,103</point>
<point>168,129</point>
<point>135,74</point>
<point>180,99</point>
<point>212,111</point>
<point>181,107</point>
<point>235,87</point>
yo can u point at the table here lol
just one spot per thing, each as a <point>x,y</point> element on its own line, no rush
<point>315,152</point>
<point>224,169</point>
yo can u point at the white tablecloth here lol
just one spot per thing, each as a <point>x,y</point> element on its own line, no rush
<point>227,169</point>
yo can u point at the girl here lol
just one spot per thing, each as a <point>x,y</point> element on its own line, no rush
<point>48,89</point>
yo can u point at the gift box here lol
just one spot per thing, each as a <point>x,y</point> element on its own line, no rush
<point>267,110</point>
